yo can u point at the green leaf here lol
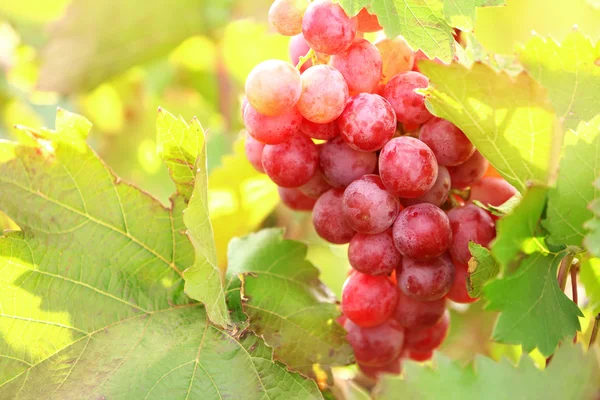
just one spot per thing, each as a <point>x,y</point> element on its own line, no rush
<point>568,202</point>
<point>592,240</point>
<point>475,52</point>
<point>589,276</point>
<point>521,224</point>
<point>482,268</point>
<point>92,296</point>
<point>572,374</point>
<point>461,13</point>
<point>285,301</point>
<point>570,73</point>
<point>509,120</point>
<point>420,22</point>
<point>534,310</point>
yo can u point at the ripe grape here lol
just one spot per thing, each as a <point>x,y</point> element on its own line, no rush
<point>319,131</point>
<point>360,64</point>
<point>286,16</point>
<point>368,300</point>
<point>469,172</point>
<point>291,164</point>
<point>299,48</point>
<point>426,280</point>
<point>407,167</point>
<point>427,339</point>
<point>367,123</point>
<point>273,87</point>
<point>396,57</point>
<point>422,231</point>
<point>254,149</point>
<point>395,367</point>
<point>374,254</point>
<point>413,313</point>
<point>449,144</point>
<point>469,224</point>
<point>367,22</point>
<point>494,191</point>
<point>316,186</point>
<point>327,28</point>
<point>295,199</point>
<point>342,165</point>
<point>419,55</point>
<point>437,195</point>
<point>324,94</point>
<point>459,292</point>
<point>328,219</point>
<point>419,356</point>
<point>408,105</point>
<point>375,346</point>
<point>272,129</point>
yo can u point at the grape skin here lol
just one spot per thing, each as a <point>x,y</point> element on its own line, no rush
<point>413,313</point>
<point>458,292</point>
<point>273,87</point>
<point>426,280</point>
<point>449,144</point>
<point>272,129</point>
<point>254,149</point>
<point>469,224</point>
<point>342,165</point>
<point>492,191</point>
<point>360,65</point>
<point>316,186</point>
<point>326,131</point>
<point>466,174</point>
<point>427,339</point>
<point>294,199</point>
<point>374,254</point>
<point>324,94</point>
<point>286,16</point>
<point>396,57</point>
<point>368,300</point>
<point>299,48</point>
<point>328,220</point>
<point>291,164</point>
<point>437,195</point>
<point>408,105</point>
<point>375,346</point>
<point>327,28</point>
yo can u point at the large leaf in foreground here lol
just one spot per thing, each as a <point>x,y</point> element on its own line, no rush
<point>509,120</point>
<point>589,276</point>
<point>592,239</point>
<point>482,268</point>
<point>92,294</point>
<point>461,13</point>
<point>285,301</point>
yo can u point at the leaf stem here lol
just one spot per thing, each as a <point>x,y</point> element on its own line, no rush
<point>305,58</point>
<point>595,330</point>
<point>574,294</point>
<point>563,272</point>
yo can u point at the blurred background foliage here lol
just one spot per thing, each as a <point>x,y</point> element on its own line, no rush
<point>116,61</point>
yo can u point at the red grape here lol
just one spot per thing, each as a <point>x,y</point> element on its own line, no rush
<point>295,199</point>
<point>299,48</point>
<point>427,339</point>
<point>272,130</point>
<point>324,94</point>
<point>375,346</point>
<point>273,87</point>
<point>469,224</point>
<point>367,123</point>
<point>319,131</point>
<point>469,172</point>
<point>328,219</point>
<point>490,190</point>
<point>419,356</point>
<point>360,64</point>
<point>254,150</point>
<point>291,164</point>
<point>316,186</point>
<point>422,231</point>
<point>408,105</point>
<point>342,165</point>
<point>413,313</point>
<point>449,144</point>
<point>286,16</point>
<point>368,300</point>
<point>407,167</point>
<point>437,195</point>
<point>374,254</point>
<point>396,57</point>
<point>459,292</point>
<point>426,280</point>
<point>394,368</point>
<point>367,22</point>
<point>327,28</point>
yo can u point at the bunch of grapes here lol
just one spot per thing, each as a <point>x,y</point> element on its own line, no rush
<point>344,134</point>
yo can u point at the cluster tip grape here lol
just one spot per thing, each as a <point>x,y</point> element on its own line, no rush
<point>346,134</point>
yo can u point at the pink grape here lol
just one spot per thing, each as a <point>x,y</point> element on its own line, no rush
<point>319,131</point>
<point>286,16</point>
<point>368,300</point>
<point>254,149</point>
<point>367,123</point>
<point>273,87</point>
<point>449,144</point>
<point>408,105</point>
<point>437,195</point>
<point>272,129</point>
<point>419,356</point>
<point>368,207</point>
<point>291,164</point>
<point>429,338</point>
<point>328,219</point>
<point>469,172</point>
<point>422,231</point>
<point>327,28</point>
<point>316,186</point>
<point>394,368</point>
<point>299,48</point>
<point>426,280</point>
<point>324,94</point>
<point>407,167</point>
<point>367,22</point>
<point>374,254</point>
<point>360,64</point>
<point>492,190</point>
<point>469,224</point>
<point>375,346</point>
<point>342,165</point>
<point>396,57</point>
<point>459,292</point>
<point>295,199</point>
<point>413,313</point>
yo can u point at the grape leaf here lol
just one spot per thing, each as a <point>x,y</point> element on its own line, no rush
<point>285,301</point>
<point>534,310</point>
<point>461,13</point>
<point>482,268</point>
<point>92,295</point>
<point>572,374</point>
<point>592,239</point>
<point>521,224</point>
<point>509,120</point>
<point>475,52</point>
<point>589,276</point>
<point>569,72</point>
<point>568,202</point>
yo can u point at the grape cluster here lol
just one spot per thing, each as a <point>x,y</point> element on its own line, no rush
<point>346,135</point>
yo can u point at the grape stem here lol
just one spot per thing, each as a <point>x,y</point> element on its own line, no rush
<point>305,58</point>
<point>574,270</point>
<point>595,330</point>
<point>563,272</point>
